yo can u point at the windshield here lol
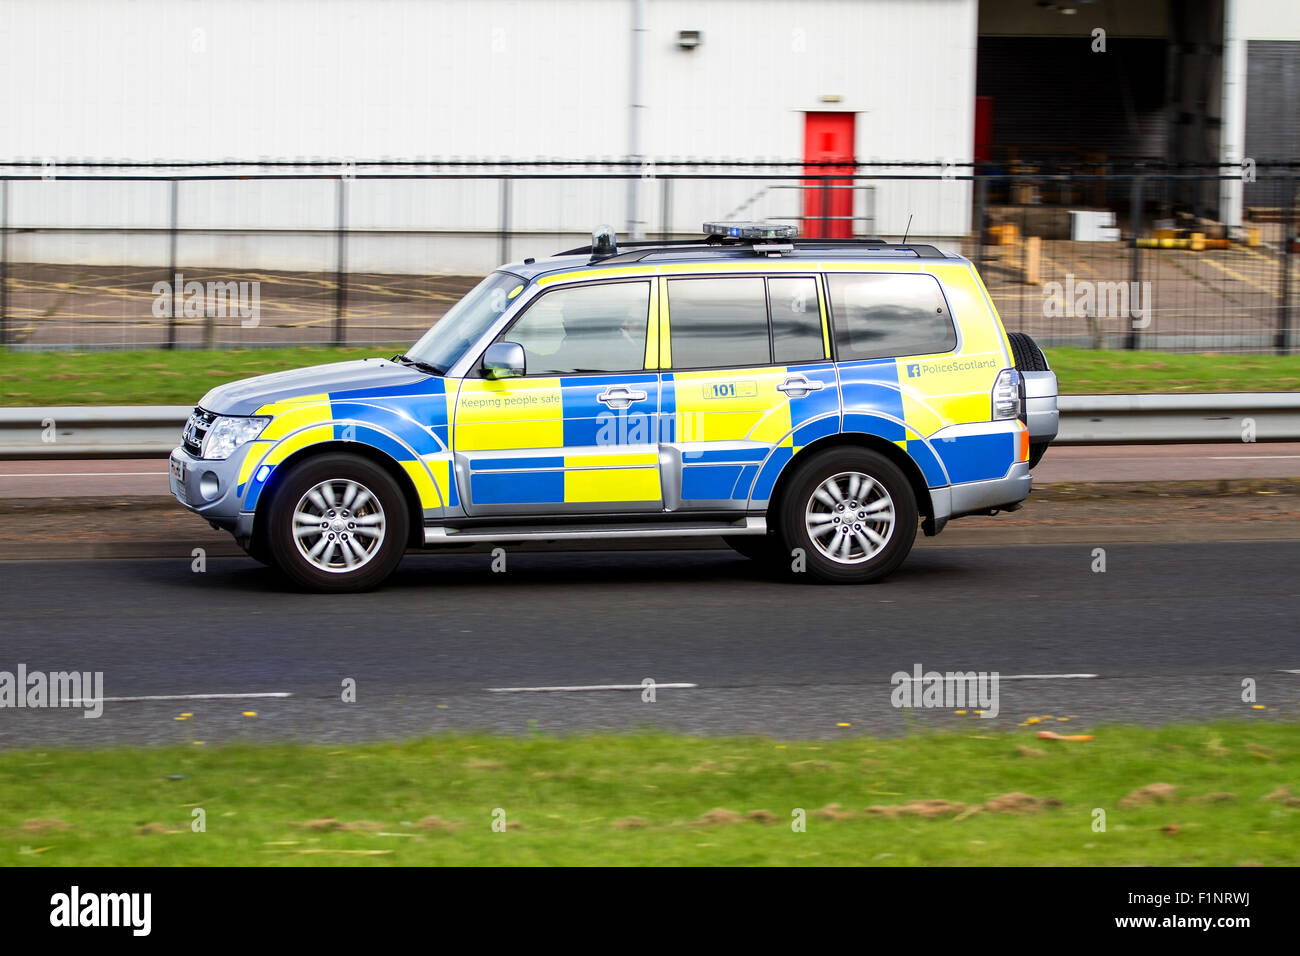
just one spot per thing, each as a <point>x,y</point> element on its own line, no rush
<point>466,321</point>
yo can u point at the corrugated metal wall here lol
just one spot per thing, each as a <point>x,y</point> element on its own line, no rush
<point>334,79</point>
<point>1272,100</point>
<point>214,79</point>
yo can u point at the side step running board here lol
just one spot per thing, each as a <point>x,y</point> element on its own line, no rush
<point>554,532</point>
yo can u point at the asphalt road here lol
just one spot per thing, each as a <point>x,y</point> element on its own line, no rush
<point>1169,630</point>
<point>148,476</point>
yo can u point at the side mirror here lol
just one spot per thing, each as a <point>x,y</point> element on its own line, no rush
<point>503,360</point>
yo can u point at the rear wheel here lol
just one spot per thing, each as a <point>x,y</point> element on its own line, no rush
<point>337,523</point>
<point>852,512</point>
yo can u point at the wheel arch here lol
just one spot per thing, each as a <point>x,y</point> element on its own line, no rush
<point>904,461</point>
<point>385,461</point>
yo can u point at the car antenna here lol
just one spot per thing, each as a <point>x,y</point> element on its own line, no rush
<point>908,230</point>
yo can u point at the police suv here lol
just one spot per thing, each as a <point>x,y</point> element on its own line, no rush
<point>810,401</point>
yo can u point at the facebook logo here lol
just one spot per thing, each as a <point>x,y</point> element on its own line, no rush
<point>914,370</point>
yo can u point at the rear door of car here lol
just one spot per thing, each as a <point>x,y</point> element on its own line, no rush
<point>747,377</point>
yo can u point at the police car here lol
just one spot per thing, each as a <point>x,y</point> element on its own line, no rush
<point>811,401</point>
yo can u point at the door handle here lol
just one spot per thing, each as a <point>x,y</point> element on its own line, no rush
<point>620,396</point>
<point>796,386</point>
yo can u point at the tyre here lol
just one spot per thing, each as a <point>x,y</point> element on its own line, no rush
<point>258,551</point>
<point>852,512</point>
<point>762,548</point>
<point>1028,356</point>
<point>337,523</point>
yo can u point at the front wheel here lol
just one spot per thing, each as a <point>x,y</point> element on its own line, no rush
<point>337,523</point>
<point>853,513</point>
<point>257,550</point>
<point>764,549</point>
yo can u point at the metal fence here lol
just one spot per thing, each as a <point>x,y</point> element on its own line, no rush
<point>146,431</point>
<point>1139,261</point>
<point>254,255</point>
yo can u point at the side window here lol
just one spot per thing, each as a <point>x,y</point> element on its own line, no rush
<point>718,322</point>
<point>880,315</point>
<point>589,328</point>
<point>796,320</point>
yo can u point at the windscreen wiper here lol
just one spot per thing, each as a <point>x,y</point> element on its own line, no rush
<point>405,359</point>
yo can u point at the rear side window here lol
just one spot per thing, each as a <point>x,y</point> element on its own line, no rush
<point>718,322</point>
<point>879,315</point>
<point>745,320</point>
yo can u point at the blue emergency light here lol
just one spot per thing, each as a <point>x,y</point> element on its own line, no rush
<point>750,230</point>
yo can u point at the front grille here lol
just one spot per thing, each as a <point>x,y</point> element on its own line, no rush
<point>196,426</point>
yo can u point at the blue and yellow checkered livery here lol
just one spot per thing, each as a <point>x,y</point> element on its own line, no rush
<point>698,439</point>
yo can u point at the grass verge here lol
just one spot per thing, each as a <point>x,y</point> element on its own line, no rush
<point>1083,371</point>
<point>1200,795</point>
<point>150,376</point>
<point>156,377</point>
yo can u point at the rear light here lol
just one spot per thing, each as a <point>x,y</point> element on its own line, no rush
<point>1006,395</point>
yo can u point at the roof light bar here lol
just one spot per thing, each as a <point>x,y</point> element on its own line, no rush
<point>750,230</point>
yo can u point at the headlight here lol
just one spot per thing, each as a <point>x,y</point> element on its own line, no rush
<point>227,434</point>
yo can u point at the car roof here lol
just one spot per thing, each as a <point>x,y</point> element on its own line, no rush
<point>705,251</point>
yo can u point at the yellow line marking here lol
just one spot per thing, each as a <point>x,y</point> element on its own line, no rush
<point>1239,277</point>
<point>1057,266</point>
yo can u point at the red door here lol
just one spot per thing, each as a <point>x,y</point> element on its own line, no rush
<point>983,129</point>
<point>828,201</point>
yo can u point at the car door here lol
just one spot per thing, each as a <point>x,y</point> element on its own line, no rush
<point>576,433</point>
<point>747,382</point>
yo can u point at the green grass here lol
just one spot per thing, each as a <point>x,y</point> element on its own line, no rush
<point>155,377</point>
<point>569,800</point>
<point>1082,371</point>
<point>150,376</point>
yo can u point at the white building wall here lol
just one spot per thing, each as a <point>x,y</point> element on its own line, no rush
<point>150,80</point>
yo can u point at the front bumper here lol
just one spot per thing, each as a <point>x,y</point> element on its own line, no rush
<point>210,490</point>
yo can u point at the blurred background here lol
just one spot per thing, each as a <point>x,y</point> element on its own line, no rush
<point>357,165</point>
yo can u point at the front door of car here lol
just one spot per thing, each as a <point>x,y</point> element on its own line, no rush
<point>750,381</point>
<point>576,432</point>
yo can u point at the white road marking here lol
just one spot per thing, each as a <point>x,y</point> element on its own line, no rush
<point>1297,671</point>
<point>90,474</point>
<point>1032,676</point>
<point>538,690</point>
<point>125,700</point>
